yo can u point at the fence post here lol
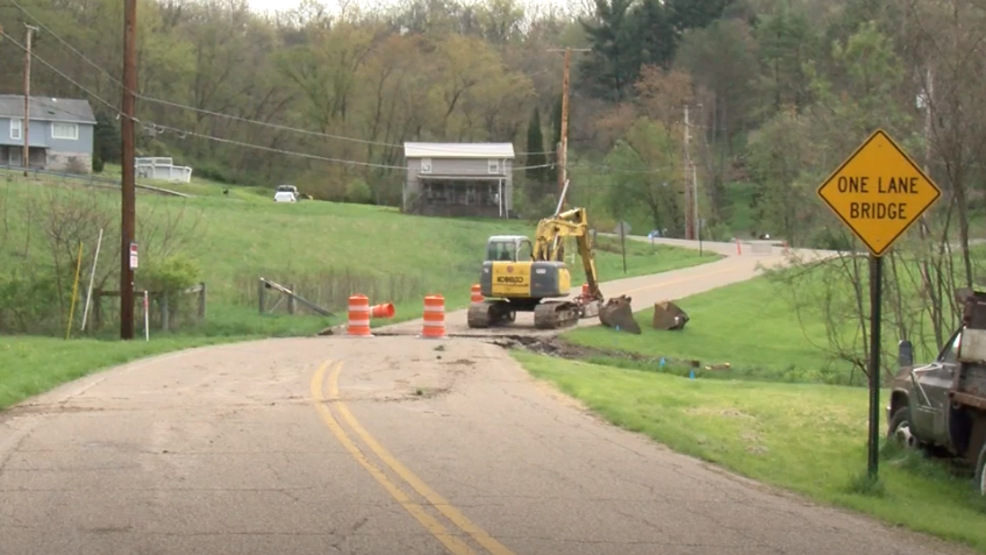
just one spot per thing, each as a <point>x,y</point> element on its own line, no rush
<point>260,295</point>
<point>202,301</point>
<point>291,300</point>
<point>165,313</point>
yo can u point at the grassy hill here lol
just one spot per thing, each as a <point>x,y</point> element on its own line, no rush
<point>326,250</point>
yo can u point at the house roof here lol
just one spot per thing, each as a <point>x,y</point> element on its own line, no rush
<point>48,109</point>
<point>457,150</point>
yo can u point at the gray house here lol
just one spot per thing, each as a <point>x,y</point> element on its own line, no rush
<point>459,179</point>
<point>60,136</point>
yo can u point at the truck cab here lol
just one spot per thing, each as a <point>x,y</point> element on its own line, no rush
<point>941,406</point>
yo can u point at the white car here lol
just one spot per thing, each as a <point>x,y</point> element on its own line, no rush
<point>286,193</point>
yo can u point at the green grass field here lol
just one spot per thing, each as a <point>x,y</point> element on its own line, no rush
<point>808,438</point>
<point>327,250</point>
<point>33,365</point>
<point>747,325</point>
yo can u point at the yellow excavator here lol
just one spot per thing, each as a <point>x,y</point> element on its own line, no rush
<point>519,276</point>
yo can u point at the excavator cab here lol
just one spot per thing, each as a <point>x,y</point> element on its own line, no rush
<point>509,248</point>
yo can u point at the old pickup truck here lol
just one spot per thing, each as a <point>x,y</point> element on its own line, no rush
<point>941,406</point>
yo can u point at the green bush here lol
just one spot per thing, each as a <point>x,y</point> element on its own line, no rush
<point>169,276</point>
<point>359,192</point>
<point>29,302</point>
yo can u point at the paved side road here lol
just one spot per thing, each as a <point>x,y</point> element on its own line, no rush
<point>372,446</point>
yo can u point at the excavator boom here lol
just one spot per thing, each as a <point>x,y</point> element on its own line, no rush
<point>548,243</point>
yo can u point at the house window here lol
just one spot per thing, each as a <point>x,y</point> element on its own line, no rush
<point>493,166</point>
<point>16,129</point>
<point>65,131</point>
<point>426,165</point>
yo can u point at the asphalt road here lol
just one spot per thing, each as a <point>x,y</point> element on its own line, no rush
<point>384,445</point>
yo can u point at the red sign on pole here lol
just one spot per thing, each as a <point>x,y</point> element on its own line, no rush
<point>133,256</point>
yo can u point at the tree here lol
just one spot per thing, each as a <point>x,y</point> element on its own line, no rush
<point>535,148</point>
<point>612,65</point>
<point>779,152</point>
<point>655,35</point>
<point>786,42</point>
<point>650,175</point>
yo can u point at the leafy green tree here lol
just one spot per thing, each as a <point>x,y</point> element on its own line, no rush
<point>106,139</point>
<point>655,35</point>
<point>649,176</point>
<point>695,14</point>
<point>778,154</point>
<point>611,67</point>
<point>535,148</point>
<point>786,41</point>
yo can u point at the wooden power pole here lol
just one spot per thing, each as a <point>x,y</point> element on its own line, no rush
<point>128,181</point>
<point>689,224</point>
<point>26,129</point>
<point>563,140</point>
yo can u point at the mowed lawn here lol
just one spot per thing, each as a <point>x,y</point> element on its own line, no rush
<point>747,325</point>
<point>804,437</point>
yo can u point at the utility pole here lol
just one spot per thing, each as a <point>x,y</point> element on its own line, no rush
<point>563,140</point>
<point>698,220</point>
<point>26,129</point>
<point>128,180</point>
<point>689,193</point>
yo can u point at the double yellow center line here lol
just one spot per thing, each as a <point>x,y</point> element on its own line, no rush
<point>453,543</point>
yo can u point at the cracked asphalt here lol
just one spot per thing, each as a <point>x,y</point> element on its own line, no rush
<point>384,445</point>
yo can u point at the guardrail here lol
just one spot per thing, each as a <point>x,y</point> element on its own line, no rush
<point>91,179</point>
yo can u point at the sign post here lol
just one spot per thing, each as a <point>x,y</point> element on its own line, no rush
<point>622,229</point>
<point>878,192</point>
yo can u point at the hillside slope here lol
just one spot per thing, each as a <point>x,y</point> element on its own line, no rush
<point>326,250</point>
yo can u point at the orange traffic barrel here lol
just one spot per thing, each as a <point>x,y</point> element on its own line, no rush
<point>434,317</point>
<point>359,316</point>
<point>385,310</point>
<point>585,289</point>
<point>477,294</point>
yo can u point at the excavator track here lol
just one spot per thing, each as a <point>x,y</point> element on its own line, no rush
<point>488,314</point>
<point>556,314</point>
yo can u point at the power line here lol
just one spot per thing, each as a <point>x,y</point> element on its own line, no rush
<point>280,127</point>
<point>182,133</point>
<point>61,74</point>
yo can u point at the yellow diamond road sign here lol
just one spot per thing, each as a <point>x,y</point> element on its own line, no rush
<point>879,192</point>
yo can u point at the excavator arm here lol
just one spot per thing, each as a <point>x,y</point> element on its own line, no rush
<point>551,232</point>
<point>615,313</point>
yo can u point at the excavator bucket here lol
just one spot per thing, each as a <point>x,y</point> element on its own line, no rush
<point>669,316</point>
<point>618,314</point>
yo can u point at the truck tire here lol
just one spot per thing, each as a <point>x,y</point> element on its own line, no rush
<point>981,473</point>
<point>899,429</point>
